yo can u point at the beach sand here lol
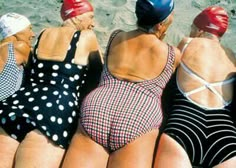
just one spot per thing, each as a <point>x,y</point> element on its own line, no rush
<point>119,14</point>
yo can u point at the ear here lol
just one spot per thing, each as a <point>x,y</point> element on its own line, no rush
<point>159,26</point>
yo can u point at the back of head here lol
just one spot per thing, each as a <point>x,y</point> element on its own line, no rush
<point>73,8</point>
<point>213,19</point>
<point>12,23</point>
<point>151,12</point>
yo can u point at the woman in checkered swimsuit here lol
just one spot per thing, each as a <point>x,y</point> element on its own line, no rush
<point>120,119</point>
<point>15,48</point>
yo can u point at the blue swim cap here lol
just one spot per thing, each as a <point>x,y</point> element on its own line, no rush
<point>151,12</point>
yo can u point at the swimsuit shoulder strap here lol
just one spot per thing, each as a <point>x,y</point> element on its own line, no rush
<point>72,49</point>
<point>186,45</point>
<point>113,35</point>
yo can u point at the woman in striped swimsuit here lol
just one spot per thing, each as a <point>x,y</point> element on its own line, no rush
<point>200,130</point>
<point>120,119</point>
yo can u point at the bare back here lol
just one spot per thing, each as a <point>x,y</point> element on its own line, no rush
<point>55,42</point>
<point>136,56</point>
<point>211,62</point>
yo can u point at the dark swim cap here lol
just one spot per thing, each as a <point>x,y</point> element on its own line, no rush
<point>151,12</point>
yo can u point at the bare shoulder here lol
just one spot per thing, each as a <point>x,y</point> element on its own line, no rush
<point>178,56</point>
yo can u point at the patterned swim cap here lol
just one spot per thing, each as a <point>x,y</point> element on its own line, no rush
<point>12,23</point>
<point>72,8</point>
<point>151,12</point>
<point>213,19</point>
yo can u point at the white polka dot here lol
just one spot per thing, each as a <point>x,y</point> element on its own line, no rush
<point>25,115</point>
<point>55,67</point>
<point>53,82</point>
<point>79,66</point>
<point>55,137</point>
<point>71,104</point>
<point>78,94</point>
<point>21,107</point>
<point>14,95</point>
<point>39,117</point>
<point>70,120</point>
<point>54,74</point>
<point>69,47</point>
<point>76,77</point>
<point>55,93</point>
<point>34,84</point>
<point>83,82</point>
<point>3,120</point>
<point>47,133</point>
<point>77,87</point>
<point>68,66</point>
<point>65,134</point>
<point>65,93</point>
<point>27,93</point>
<point>66,86</point>
<point>73,61</point>
<point>41,75</point>
<point>1,111</point>
<point>13,136</point>
<point>18,127</point>
<point>33,123</point>
<point>75,34</point>
<point>35,108</point>
<point>41,81</point>
<point>13,118</point>
<point>85,74</point>
<point>44,128</point>
<point>31,99</point>
<point>76,103</point>
<point>73,113</point>
<point>61,107</point>
<point>71,79</point>
<point>59,121</point>
<point>45,89</point>
<point>11,114</point>
<point>16,102</point>
<point>5,104</point>
<point>35,90</point>
<point>44,97</point>
<point>57,101</point>
<point>21,89</point>
<point>40,65</point>
<point>49,104</point>
<point>27,120</point>
<point>53,118</point>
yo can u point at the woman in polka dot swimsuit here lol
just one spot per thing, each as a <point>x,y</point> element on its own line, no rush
<point>38,121</point>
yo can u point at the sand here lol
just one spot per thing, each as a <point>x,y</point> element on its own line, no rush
<point>119,14</point>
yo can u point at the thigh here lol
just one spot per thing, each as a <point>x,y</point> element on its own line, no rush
<point>170,154</point>
<point>8,147</point>
<point>37,150</point>
<point>83,152</point>
<point>138,153</point>
<point>228,163</point>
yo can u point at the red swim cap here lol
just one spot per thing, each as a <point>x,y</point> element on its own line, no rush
<point>213,19</point>
<point>72,8</point>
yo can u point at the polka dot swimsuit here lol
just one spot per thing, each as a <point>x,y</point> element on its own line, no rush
<point>48,100</point>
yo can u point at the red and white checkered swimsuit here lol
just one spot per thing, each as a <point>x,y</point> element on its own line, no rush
<point>118,111</point>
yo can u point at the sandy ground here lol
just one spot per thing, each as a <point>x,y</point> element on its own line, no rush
<point>119,14</point>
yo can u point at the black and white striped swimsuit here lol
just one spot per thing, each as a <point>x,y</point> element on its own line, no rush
<point>207,135</point>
